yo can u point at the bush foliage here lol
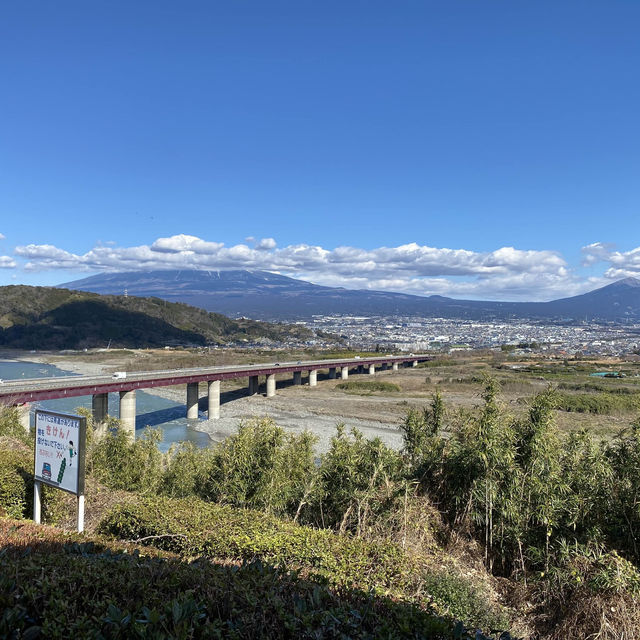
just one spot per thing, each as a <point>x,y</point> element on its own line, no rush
<point>55,585</point>
<point>16,473</point>
<point>364,387</point>
<point>559,513</point>
<point>193,528</point>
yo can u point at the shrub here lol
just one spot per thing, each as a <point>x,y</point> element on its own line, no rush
<point>186,471</point>
<point>16,486</point>
<point>14,481</point>
<point>366,387</point>
<point>351,476</point>
<point>605,403</point>
<point>10,425</point>
<point>60,586</point>
<point>262,466</point>
<point>122,463</point>
<point>621,488</point>
<point>421,432</point>
<point>589,593</point>
<point>194,528</point>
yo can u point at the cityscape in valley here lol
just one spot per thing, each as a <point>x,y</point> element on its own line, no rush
<point>409,333</point>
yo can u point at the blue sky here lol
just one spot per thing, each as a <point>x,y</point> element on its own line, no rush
<point>465,148</point>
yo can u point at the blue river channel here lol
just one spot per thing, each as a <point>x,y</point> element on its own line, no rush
<point>152,411</point>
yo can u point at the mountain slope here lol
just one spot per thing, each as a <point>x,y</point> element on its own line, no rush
<point>50,318</point>
<point>260,294</point>
<point>617,301</point>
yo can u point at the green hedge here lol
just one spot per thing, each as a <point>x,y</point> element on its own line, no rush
<point>367,386</point>
<point>194,528</point>
<point>63,586</point>
<point>605,403</point>
<point>14,483</point>
<point>16,488</point>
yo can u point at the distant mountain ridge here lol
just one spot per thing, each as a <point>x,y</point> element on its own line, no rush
<point>264,295</point>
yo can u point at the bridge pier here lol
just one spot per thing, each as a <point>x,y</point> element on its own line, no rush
<point>415,363</point>
<point>332,373</point>
<point>128,412</point>
<point>345,373</point>
<point>213,399</point>
<point>24,416</point>
<point>99,411</point>
<point>192,400</point>
<point>394,366</point>
<point>271,385</point>
<point>313,378</point>
<point>372,369</point>
<point>297,377</point>
<point>253,385</point>
<point>99,407</point>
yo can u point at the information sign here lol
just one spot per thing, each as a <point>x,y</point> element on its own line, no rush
<point>59,450</point>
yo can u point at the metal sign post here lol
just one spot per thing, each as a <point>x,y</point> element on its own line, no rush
<point>59,457</point>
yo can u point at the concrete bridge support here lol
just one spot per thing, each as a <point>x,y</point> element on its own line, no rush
<point>414,363</point>
<point>24,416</point>
<point>128,412</point>
<point>99,411</point>
<point>271,385</point>
<point>253,385</point>
<point>313,378</point>
<point>297,377</point>
<point>394,366</point>
<point>213,399</point>
<point>99,407</point>
<point>192,400</point>
<point>372,369</point>
<point>345,373</point>
<point>332,373</point>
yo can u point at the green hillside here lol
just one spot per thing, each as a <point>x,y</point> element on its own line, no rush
<point>50,318</point>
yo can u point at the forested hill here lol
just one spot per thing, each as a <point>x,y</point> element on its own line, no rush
<point>51,318</point>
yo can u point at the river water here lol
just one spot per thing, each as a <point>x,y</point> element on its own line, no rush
<point>152,411</point>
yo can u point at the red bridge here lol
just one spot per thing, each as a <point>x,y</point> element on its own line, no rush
<point>25,391</point>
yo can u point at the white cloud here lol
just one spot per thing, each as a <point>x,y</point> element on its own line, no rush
<point>622,263</point>
<point>266,243</point>
<point>7,262</point>
<point>506,273</point>
<point>2,236</point>
<point>182,243</point>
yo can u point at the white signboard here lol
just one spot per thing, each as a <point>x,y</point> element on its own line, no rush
<point>59,450</point>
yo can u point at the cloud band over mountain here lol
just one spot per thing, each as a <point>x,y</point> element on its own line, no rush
<point>505,273</point>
